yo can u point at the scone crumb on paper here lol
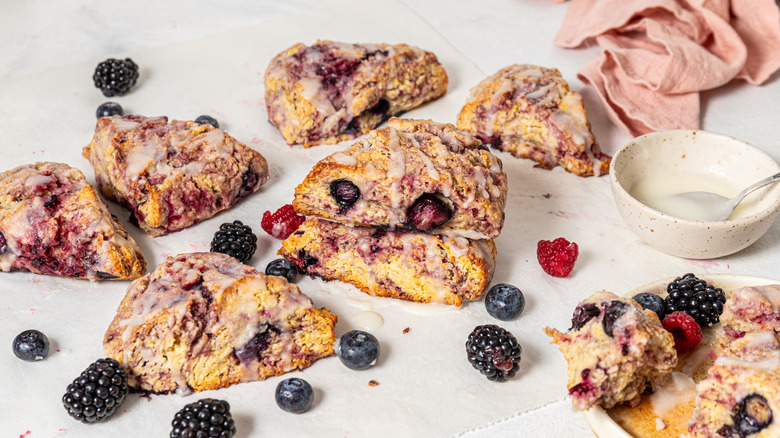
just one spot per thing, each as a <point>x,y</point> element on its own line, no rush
<point>372,383</point>
<point>406,330</point>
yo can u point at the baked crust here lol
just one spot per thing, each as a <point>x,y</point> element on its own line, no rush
<point>332,91</point>
<point>53,222</point>
<point>171,175</point>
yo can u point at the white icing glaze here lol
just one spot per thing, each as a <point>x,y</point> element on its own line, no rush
<point>681,389</point>
<point>341,158</point>
<point>368,320</point>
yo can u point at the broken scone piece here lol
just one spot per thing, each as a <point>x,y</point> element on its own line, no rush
<point>205,321</point>
<point>53,222</point>
<point>332,91</point>
<point>530,112</point>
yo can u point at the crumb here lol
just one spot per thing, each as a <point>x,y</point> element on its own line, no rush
<point>373,383</point>
<point>546,196</point>
<point>406,330</point>
<point>147,397</point>
<point>659,424</point>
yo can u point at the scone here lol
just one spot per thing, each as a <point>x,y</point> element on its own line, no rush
<point>752,309</point>
<point>331,91</point>
<point>409,266</point>
<point>171,175</point>
<point>615,351</point>
<point>413,175</point>
<point>53,222</point>
<point>530,112</point>
<point>205,321</point>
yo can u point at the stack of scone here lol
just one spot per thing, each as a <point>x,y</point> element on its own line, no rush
<point>408,212</point>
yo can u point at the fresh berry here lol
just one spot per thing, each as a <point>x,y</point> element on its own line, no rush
<point>685,329</point>
<point>612,313</point>
<point>583,314</point>
<point>358,350</point>
<point>345,192</point>
<point>428,212</point>
<point>692,295</point>
<point>282,268</point>
<point>204,119</point>
<point>115,76</point>
<point>504,302</point>
<point>650,301</point>
<point>750,416</point>
<point>494,352</point>
<point>235,240</point>
<point>204,418</point>
<point>294,395</point>
<point>31,345</point>
<point>109,109</point>
<point>97,392</point>
<point>557,257</point>
<point>283,222</point>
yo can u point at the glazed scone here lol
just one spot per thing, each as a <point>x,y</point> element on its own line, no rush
<point>752,309</point>
<point>615,351</point>
<point>53,222</point>
<point>171,175</point>
<point>530,112</point>
<point>409,266</point>
<point>331,91</point>
<point>205,321</point>
<point>413,175</point>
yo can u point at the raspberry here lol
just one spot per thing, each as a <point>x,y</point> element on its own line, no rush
<point>685,329</point>
<point>282,223</point>
<point>557,257</point>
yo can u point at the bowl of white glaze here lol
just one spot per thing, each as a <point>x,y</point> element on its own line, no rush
<point>651,167</point>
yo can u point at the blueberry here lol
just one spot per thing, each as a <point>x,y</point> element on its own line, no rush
<point>208,120</point>
<point>504,302</point>
<point>31,345</point>
<point>345,192</point>
<point>428,212</point>
<point>282,268</point>
<point>109,109</point>
<point>651,302</point>
<point>294,395</point>
<point>615,310</point>
<point>583,314</point>
<point>358,350</point>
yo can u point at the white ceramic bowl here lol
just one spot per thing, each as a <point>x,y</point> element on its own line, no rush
<point>669,162</point>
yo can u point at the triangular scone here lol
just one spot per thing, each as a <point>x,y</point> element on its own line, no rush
<point>53,222</point>
<point>409,266</point>
<point>206,321</point>
<point>530,112</point>
<point>413,175</point>
<point>171,175</point>
<point>330,91</point>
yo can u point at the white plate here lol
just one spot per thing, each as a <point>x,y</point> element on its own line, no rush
<point>599,420</point>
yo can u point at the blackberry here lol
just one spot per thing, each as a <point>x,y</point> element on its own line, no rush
<point>494,352</point>
<point>294,395</point>
<point>109,109</point>
<point>282,268</point>
<point>97,392</point>
<point>504,302</point>
<point>204,418</point>
<point>204,119</point>
<point>114,77</point>
<point>31,345</point>
<point>692,295</point>
<point>235,240</point>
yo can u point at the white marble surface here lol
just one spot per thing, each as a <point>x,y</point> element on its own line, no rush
<point>206,56</point>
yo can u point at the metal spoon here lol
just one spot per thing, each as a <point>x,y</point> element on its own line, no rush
<point>706,206</point>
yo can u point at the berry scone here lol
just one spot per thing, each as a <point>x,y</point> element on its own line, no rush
<point>752,309</point>
<point>409,266</point>
<point>530,112</point>
<point>53,222</point>
<point>205,321</point>
<point>412,175</point>
<point>615,351</point>
<point>331,91</point>
<point>171,175</point>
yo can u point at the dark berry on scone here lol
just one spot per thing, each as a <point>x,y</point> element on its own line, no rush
<point>583,314</point>
<point>358,350</point>
<point>751,415</point>
<point>557,257</point>
<point>504,302</point>
<point>685,330</point>
<point>205,119</point>
<point>235,239</point>
<point>204,418</point>
<point>612,313</point>
<point>428,212</point>
<point>650,301</point>
<point>494,352</point>
<point>282,222</point>
<point>31,345</point>
<point>109,109</point>
<point>294,395</point>
<point>692,295</point>
<point>3,244</point>
<point>97,392</point>
<point>115,76</point>
<point>345,192</point>
<point>282,268</point>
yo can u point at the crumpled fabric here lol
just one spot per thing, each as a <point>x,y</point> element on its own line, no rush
<point>658,55</point>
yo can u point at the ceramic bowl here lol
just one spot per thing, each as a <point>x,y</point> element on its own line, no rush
<point>669,162</point>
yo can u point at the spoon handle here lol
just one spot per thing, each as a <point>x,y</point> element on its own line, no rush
<point>758,185</point>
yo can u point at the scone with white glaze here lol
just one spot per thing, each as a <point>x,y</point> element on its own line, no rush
<point>206,321</point>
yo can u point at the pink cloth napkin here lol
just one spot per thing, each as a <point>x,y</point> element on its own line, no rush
<point>659,54</point>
